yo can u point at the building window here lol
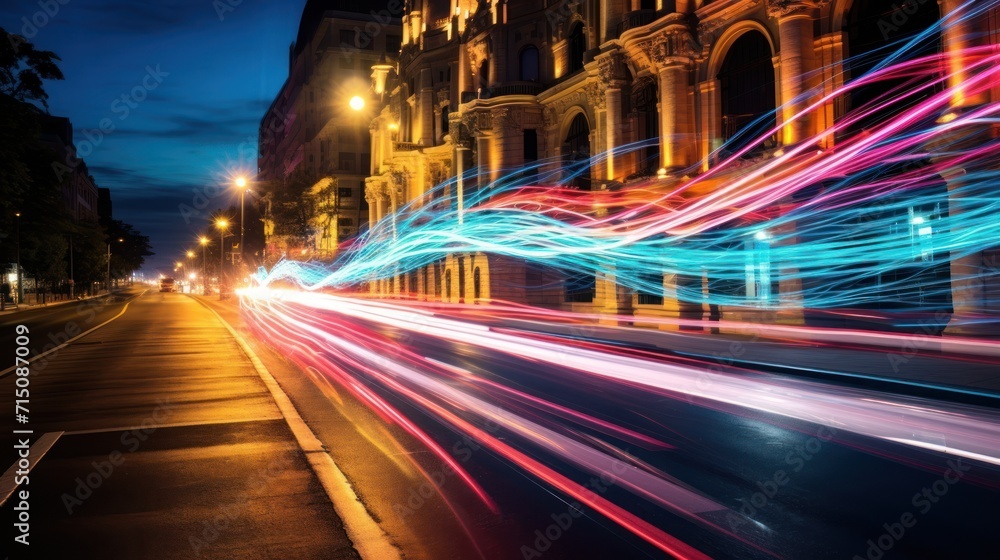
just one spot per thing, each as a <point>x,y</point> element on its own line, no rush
<point>345,192</point>
<point>366,162</point>
<point>347,38</point>
<point>650,289</point>
<point>761,282</point>
<point>393,43</point>
<point>345,161</point>
<point>477,288</point>
<point>349,222</point>
<point>529,64</point>
<point>580,287</point>
<point>577,46</point>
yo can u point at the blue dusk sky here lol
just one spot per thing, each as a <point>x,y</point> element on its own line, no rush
<point>205,76</point>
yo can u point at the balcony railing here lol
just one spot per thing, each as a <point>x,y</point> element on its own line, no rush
<point>517,88</point>
<point>405,146</point>
<point>635,19</point>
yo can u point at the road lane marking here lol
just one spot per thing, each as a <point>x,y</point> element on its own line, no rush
<point>368,538</point>
<point>35,454</point>
<point>10,370</point>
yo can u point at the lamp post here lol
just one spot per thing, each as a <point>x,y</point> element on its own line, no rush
<point>222,225</point>
<point>241,183</point>
<point>109,263</point>
<point>204,264</point>
<point>20,285</point>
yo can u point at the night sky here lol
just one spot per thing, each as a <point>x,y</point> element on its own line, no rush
<point>197,125</point>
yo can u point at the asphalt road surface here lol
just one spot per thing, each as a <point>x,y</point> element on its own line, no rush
<point>165,442</point>
<point>662,468</point>
<point>764,484</point>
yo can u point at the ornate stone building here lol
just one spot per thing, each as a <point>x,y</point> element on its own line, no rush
<point>312,135</point>
<point>499,84</point>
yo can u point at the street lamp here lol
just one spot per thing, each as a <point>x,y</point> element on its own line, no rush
<point>357,103</point>
<point>241,183</point>
<point>222,225</point>
<point>204,264</point>
<point>109,263</point>
<point>20,286</point>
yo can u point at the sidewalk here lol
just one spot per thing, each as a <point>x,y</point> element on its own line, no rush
<point>12,308</point>
<point>163,441</point>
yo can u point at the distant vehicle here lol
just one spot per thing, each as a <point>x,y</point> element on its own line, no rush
<point>167,285</point>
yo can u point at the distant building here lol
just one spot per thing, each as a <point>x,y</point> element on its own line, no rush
<point>104,208</point>
<point>78,187</point>
<point>312,134</point>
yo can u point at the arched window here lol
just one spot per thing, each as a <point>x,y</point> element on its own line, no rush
<point>577,46</point>
<point>447,285</point>
<point>576,149</point>
<point>869,38</point>
<point>644,102</point>
<point>476,285</point>
<point>529,64</point>
<point>484,76</point>
<point>747,91</point>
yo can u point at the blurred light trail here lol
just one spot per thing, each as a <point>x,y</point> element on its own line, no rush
<point>973,432</point>
<point>873,210</point>
<point>339,337</point>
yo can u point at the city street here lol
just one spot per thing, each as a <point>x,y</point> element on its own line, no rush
<point>491,280</point>
<point>169,445</point>
<point>565,463</point>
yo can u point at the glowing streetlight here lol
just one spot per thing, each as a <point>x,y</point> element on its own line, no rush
<point>357,103</point>
<point>204,263</point>
<point>222,224</point>
<point>241,183</point>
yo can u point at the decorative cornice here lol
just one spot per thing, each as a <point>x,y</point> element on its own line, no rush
<point>673,44</point>
<point>477,54</point>
<point>783,8</point>
<point>610,70</point>
<point>595,95</point>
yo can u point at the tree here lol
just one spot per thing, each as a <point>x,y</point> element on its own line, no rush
<point>129,254</point>
<point>22,70</point>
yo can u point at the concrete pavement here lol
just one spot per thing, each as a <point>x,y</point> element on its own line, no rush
<point>165,443</point>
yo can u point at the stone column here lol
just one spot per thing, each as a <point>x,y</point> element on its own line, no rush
<point>426,108</point>
<point>671,53</point>
<point>797,58</point>
<point>711,138</point>
<point>676,130</point>
<point>610,81</point>
<point>968,279</point>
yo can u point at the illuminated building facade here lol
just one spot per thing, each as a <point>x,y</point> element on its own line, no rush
<point>500,84</point>
<point>311,138</point>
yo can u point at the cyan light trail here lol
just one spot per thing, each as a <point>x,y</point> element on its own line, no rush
<point>866,221</point>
